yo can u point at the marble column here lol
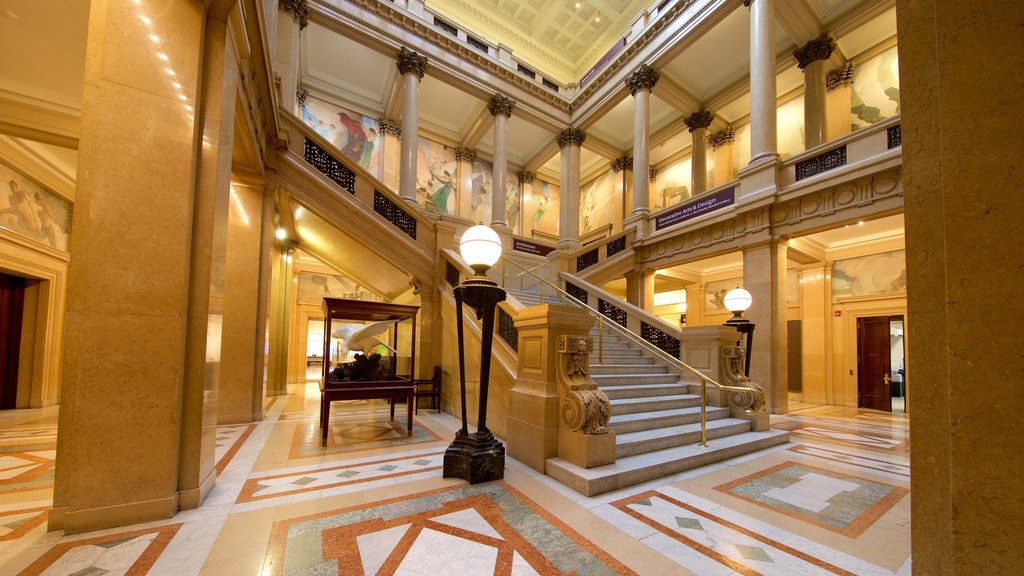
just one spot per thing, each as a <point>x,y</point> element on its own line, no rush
<point>763,135</point>
<point>500,107</point>
<point>624,167</point>
<point>698,123</point>
<point>569,142</point>
<point>464,158</point>
<point>764,276</point>
<point>812,58</point>
<point>640,84</point>
<point>721,147</point>
<point>286,50</point>
<point>411,66</point>
<point>389,134</point>
<point>640,289</point>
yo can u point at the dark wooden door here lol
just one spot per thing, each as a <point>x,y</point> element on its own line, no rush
<point>873,363</point>
<point>12,303</point>
<point>795,352</point>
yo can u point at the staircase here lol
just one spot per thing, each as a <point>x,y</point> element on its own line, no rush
<point>656,420</point>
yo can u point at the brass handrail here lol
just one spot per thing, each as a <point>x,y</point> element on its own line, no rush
<point>759,398</point>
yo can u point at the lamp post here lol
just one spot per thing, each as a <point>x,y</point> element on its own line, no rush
<point>477,457</point>
<point>737,301</point>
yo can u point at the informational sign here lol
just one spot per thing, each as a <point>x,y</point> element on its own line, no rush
<point>697,207</point>
<point>530,248</point>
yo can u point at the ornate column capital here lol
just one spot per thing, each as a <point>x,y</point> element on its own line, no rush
<point>525,177</point>
<point>300,95</point>
<point>411,62</point>
<point>643,78</point>
<point>699,119</point>
<point>299,9</point>
<point>652,173</point>
<point>747,3</point>
<point>842,76</point>
<point>820,48</point>
<point>464,154</point>
<point>624,163</point>
<point>501,104</point>
<point>722,137</point>
<point>571,135</point>
<point>389,126</point>
<point>583,408</point>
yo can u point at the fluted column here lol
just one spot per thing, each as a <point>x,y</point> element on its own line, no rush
<point>763,137</point>
<point>411,66</point>
<point>569,142</point>
<point>500,107</point>
<point>698,123</point>
<point>640,84</point>
<point>811,58</point>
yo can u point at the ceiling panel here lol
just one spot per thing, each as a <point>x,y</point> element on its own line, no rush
<point>43,44</point>
<point>679,142</point>
<point>713,57</point>
<point>446,109</point>
<point>523,142</point>
<point>348,70</point>
<point>874,31</point>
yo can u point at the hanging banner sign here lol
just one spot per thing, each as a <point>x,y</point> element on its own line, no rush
<point>697,207</point>
<point>530,248</point>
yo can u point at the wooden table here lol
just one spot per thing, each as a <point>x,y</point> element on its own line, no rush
<point>391,389</point>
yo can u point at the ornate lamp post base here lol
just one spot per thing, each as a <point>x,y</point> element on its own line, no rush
<point>476,457</point>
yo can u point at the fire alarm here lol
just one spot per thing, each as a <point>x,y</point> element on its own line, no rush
<point>838,313</point>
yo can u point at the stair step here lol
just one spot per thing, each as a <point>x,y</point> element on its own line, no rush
<point>617,353</point>
<point>608,369</point>
<point>620,360</point>
<point>634,443</point>
<point>630,379</point>
<point>639,421</point>
<point>622,406</point>
<point>643,467</point>
<point>643,391</point>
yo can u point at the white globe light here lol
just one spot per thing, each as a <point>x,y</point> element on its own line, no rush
<point>737,300</point>
<point>480,247</point>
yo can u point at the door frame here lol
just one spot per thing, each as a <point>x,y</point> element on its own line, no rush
<point>845,370</point>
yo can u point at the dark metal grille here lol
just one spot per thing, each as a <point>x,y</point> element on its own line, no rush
<point>549,84</point>
<point>584,261</point>
<point>612,311</point>
<point>507,329</point>
<point>576,292</point>
<point>660,339</point>
<point>821,163</point>
<point>477,44</point>
<point>616,246</point>
<point>446,27</point>
<point>526,71</point>
<point>451,274</point>
<point>392,213</point>
<point>895,136</point>
<point>318,158</point>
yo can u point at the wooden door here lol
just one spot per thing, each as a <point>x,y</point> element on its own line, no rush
<point>12,303</point>
<point>873,363</point>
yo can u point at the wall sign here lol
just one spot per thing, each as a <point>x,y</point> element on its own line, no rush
<point>697,207</point>
<point>530,247</point>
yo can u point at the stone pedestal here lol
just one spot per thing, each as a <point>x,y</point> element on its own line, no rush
<point>586,450</point>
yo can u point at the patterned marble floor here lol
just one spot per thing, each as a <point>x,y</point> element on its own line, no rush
<point>835,500</point>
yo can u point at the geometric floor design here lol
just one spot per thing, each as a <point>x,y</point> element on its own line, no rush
<point>124,553</point>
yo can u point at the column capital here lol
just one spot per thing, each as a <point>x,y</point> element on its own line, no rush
<point>820,48</point>
<point>299,9</point>
<point>643,78</point>
<point>842,76</point>
<point>463,153</point>
<point>389,126</point>
<point>624,163</point>
<point>501,104</point>
<point>722,137</point>
<point>699,119</point>
<point>300,95</point>
<point>652,173</point>
<point>525,177</point>
<point>411,62</point>
<point>571,135</point>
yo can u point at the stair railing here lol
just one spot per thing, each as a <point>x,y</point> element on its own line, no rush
<point>758,396</point>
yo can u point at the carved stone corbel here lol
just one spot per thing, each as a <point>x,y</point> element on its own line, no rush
<point>583,407</point>
<point>732,369</point>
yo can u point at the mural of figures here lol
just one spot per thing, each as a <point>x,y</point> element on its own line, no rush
<point>876,89</point>
<point>875,274</point>
<point>601,203</point>
<point>541,208</point>
<point>479,209</point>
<point>716,292</point>
<point>353,134</point>
<point>435,176</point>
<point>672,185</point>
<point>790,127</point>
<point>33,211</point>
<point>513,204</point>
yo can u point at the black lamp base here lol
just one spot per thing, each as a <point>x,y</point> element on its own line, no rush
<point>477,457</point>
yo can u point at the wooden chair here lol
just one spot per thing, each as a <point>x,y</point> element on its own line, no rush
<point>429,389</point>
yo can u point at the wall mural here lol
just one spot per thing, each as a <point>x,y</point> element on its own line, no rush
<point>673,184</point>
<point>313,287</point>
<point>354,134</point>
<point>875,274</point>
<point>33,211</point>
<point>790,127</point>
<point>478,206</point>
<point>513,203</point>
<point>541,208</point>
<point>436,173</point>
<point>601,203</point>
<point>876,89</point>
<point>716,291</point>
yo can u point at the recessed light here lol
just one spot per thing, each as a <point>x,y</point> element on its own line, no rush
<point>597,19</point>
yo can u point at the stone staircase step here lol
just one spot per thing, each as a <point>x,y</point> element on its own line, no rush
<point>633,443</point>
<point>608,369</point>
<point>639,421</point>
<point>643,391</point>
<point>652,404</point>
<point>603,380</point>
<point>617,353</point>
<point>619,360</point>
<point>643,467</point>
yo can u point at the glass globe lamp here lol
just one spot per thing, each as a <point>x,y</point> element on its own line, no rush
<point>737,301</point>
<point>480,248</point>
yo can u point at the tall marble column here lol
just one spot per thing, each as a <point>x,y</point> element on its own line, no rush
<point>411,66</point>
<point>811,58</point>
<point>764,276</point>
<point>569,142</point>
<point>624,167</point>
<point>389,134</point>
<point>500,107</point>
<point>698,124</point>
<point>640,84</point>
<point>763,136</point>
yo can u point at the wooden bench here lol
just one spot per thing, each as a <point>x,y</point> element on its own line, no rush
<point>343,390</point>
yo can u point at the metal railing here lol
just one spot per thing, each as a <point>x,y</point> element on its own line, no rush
<point>758,395</point>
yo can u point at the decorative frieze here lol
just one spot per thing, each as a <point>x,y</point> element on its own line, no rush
<point>571,135</point>
<point>299,9</point>
<point>501,104</point>
<point>525,177</point>
<point>643,78</point>
<point>820,48</point>
<point>624,163</point>
<point>583,407</point>
<point>464,154</point>
<point>699,119</point>
<point>409,62</point>
<point>389,126</point>
<point>722,137</point>
<point>705,237</point>
<point>827,202</point>
<point>842,76</point>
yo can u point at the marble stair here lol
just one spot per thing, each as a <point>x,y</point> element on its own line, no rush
<point>656,420</point>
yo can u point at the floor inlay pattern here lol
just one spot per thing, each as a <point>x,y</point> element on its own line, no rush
<point>364,430</point>
<point>892,467</point>
<point>124,553</point>
<point>229,441</point>
<point>857,439</point>
<point>26,467</point>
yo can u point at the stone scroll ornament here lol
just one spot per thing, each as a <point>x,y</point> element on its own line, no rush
<point>732,369</point>
<point>584,408</point>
